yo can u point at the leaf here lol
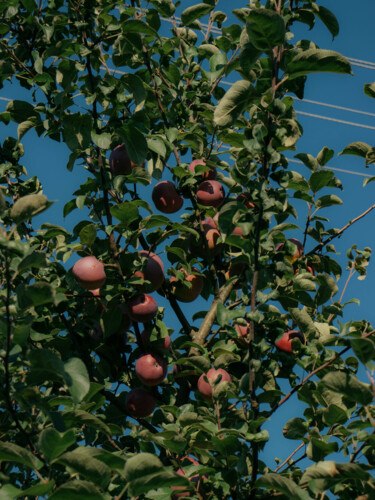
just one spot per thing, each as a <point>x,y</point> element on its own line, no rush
<point>76,378</point>
<point>327,288</point>
<point>35,259</point>
<point>356,149</point>
<point>126,212</point>
<point>317,449</point>
<point>266,29</point>
<point>273,481</point>
<point>137,26</point>
<point>28,206</point>
<point>224,315</point>
<point>324,474</point>
<point>235,100</point>
<point>53,443</point>
<point>295,428</point>
<point>349,385</point>
<point>327,201</point>
<point>20,111</point>
<point>320,179</point>
<point>25,127</point>
<point>82,462</point>
<point>136,144</point>
<point>364,349</point>
<point>77,418</point>
<point>165,7</point>
<point>328,18</point>
<point>76,490</point>
<point>316,61</point>
<point>10,452</point>
<point>37,294</point>
<point>145,472</point>
<point>102,140</point>
<point>77,131</point>
<point>303,320</point>
<point>87,234</point>
<point>324,156</point>
<point>195,12</point>
<point>38,490</point>
<point>157,145</point>
<point>308,160</point>
<point>369,89</point>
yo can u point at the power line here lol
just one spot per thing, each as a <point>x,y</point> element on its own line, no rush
<point>336,120</point>
<point>5,99</point>
<point>334,168</point>
<point>335,106</point>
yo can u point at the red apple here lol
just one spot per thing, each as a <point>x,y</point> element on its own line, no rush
<point>182,292</point>
<point>206,388</point>
<point>307,268</point>
<point>284,343</point>
<point>120,162</point>
<point>182,472</point>
<point>89,273</point>
<point>151,369</point>
<point>210,193</point>
<point>166,197</point>
<point>153,270</point>
<point>209,175</point>
<point>139,403</point>
<point>297,254</point>
<point>242,330</point>
<point>142,308</point>
<point>166,341</point>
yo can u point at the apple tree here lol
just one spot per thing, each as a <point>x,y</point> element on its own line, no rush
<point>110,386</point>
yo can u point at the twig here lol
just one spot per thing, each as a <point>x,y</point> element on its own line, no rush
<point>20,63</point>
<point>290,456</point>
<point>209,26</point>
<point>351,274</point>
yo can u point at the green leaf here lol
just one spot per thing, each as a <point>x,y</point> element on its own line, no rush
<point>266,29</point>
<point>87,234</point>
<point>195,12</point>
<point>25,127</point>
<point>76,378</point>
<point>136,145</point>
<point>76,490</point>
<point>240,95</point>
<point>38,490</point>
<point>9,492</point>
<point>317,61</point>
<point>157,145</point>
<point>327,288</point>
<point>356,149</point>
<point>308,160</point>
<point>317,449</point>
<point>320,179</point>
<point>126,212</point>
<point>324,474</point>
<point>273,481</point>
<point>324,156</point>
<point>348,385</point>
<point>82,461</point>
<point>145,472</point>
<point>37,294</point>
<point>20,111</point>
<point>224,315</point>
<point>137,26</point>
<point>35,259</point>
<point>77,131</point>
<point>10,452</point>
<point>370,157</point>
<point>28,206</point>
<point>364,349</point>
<point>303,320</point>
<point>327,201</point>
<point>328,18</point>
<point>295,428</point>
<point>52,443</point>
<point>369,89</point>
<point>249,56</point>
<point>77,418</point>
<point>102,140</point>
<point>165,7</point>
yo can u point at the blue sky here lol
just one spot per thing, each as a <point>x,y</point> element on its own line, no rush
<point>356,39</point>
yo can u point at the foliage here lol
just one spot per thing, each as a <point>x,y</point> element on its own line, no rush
<point>99,74</point>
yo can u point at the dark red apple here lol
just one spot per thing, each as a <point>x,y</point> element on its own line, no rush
<point>120,162</point>
<point>209,175</point>
<point>206,388</point>
<point>166,197</point>
<point>142,308</point>
<point>297,254</point>
<point>182,292</point>
<point>89,273</point>
<point>151,369</point>
<point>182,472</point>
<point>210,193</point>
<point>166,342</point>
<point>139,403</point>
<point>153,270</point>
<point>242,330</point>
<point>284,343</point>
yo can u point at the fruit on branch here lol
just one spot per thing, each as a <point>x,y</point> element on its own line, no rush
<point>89,272</point>
<point>165,342</point>
<point>297,254</point>
<point>151,369</point>
<point>235,269</point>
<point>120,162</point>
<point>166,198</point>
<point>139,403</point>
<point>242,330</point>
<point>284,343</point>
<point>210,175</point>
<point>142,308</point>
<point>212,235</point>
<point>306,268</point>
<point>207,388</point>
<point>182,472</point>
<point>153,271</point>
<point>210,194</point>
<point>183,292</point>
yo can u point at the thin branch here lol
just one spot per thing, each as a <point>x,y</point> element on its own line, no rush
<point>209,26</point>
<point>20,63</point>
<point>290,456</point>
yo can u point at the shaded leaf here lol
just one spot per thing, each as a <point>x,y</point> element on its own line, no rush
<point>327,201</point>
<point>317,60</point>
<point>76,490</point>
<point>266,29</point>
<point>357,149</point>
<point>349,385</point>
<point>28,206</point>
<point>295,428</point>
<point>283,484</point>
<point>76,378</point>
<point>328,18</point>
<point>369,89</point>
<point>195,12</point>
<point>320,179</point>
<point>233,103</point>
<point>81,461</point>
<point>10,452</point>
<point>53,443</point>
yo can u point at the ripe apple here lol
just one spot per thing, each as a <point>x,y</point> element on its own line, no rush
<point>182,472</point>
<point>165,342</point>
<point>151,369</point>
<point>206,388</point>
<point>166,198</point>
<point>153,270</point>
<point>284,343</point>
<point>210,175</point>
<point>212,235</point>
<point>120,162</point>
<point>242,330</point>
<point>182,292</point>
<point>139,403</point>
<point>307,268</point>
<point>89,273</point>
<point>142,308</point>
<point>210,193</point>
<point>297,254</point>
